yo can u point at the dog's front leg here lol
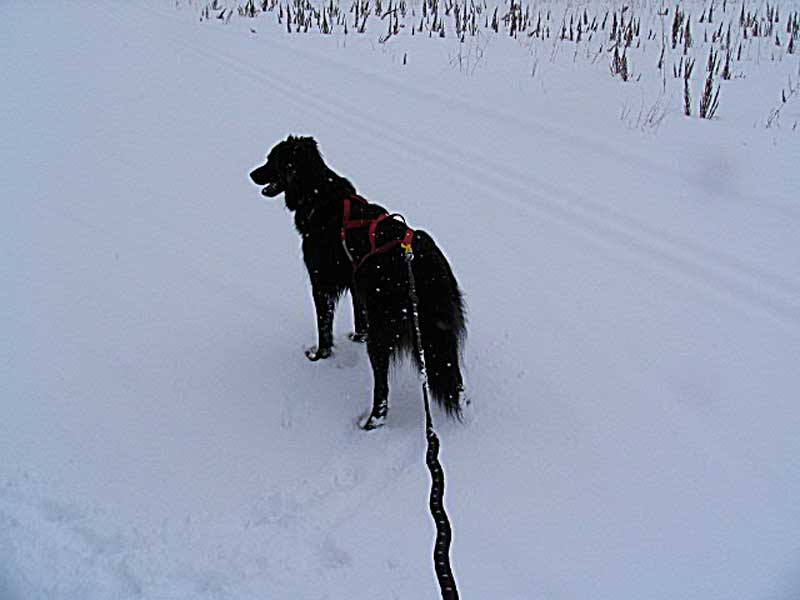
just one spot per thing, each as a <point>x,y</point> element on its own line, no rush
<point>325,304</point>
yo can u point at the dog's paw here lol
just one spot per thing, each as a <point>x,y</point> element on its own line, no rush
<point>314,354</point>
<point>357,337</point>
<point>372,422</point>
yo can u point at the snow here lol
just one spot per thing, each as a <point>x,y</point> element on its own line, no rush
<point>634,305</point>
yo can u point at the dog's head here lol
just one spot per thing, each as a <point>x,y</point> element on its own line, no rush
<point>287,163</point>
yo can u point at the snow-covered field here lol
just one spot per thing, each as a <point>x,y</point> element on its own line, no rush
<point>633,291</point>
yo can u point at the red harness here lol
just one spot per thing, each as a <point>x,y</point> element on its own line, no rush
<point>348,224</point>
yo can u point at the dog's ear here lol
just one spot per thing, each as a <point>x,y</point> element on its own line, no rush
<point>303,156</point>
<point>305,148</point>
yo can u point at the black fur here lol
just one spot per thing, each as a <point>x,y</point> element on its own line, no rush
<point>379,287</point>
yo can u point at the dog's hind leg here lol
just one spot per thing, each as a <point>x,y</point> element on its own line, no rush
<point>359,319</point>
<point>379,358</point>
<point>325,304</point>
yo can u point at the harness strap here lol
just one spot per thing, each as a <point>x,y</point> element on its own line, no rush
<point>348,224</point>
<point>373,229</point>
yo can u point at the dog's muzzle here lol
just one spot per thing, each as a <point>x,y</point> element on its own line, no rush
<point>272,190</point>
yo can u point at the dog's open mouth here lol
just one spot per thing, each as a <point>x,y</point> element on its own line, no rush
<point>272,190</point>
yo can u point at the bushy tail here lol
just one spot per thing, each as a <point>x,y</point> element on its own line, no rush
<point>442,321</point>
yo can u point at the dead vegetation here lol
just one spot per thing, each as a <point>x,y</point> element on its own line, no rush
<point>724,35</point>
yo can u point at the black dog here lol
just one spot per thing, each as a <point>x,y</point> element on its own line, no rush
<point>349,244</point>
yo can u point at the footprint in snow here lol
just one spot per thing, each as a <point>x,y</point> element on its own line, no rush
<point>274,508</point>
<point>333,556</point>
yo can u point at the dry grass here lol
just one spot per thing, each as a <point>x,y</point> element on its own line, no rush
<point>729,37</point>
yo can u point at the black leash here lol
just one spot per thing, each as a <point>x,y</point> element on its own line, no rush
<point>444,536</point>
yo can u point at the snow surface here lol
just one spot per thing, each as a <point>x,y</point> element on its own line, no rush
<point>634,323</point>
